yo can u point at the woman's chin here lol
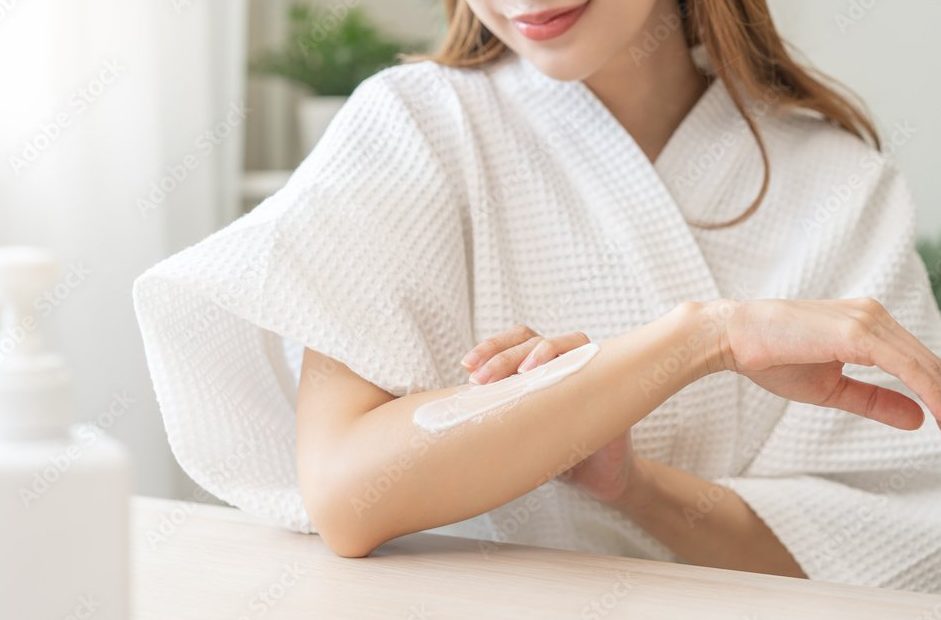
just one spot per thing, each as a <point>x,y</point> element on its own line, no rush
<point>560,65</point>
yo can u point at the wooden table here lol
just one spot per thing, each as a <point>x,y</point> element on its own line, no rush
<point>199,562</point>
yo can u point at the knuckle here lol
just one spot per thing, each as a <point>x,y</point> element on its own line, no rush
<point>548,347</point>
<point>868,320</point>
<point>500,360</point>
<point>871,306</point>
<point>488,346</point>
<point>522,331</point>
<point>533,342</point>
<point>687,307</point>
<point>912,365</point>
<point>856,328</point>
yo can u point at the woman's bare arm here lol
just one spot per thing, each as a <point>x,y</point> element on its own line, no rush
<point>702,522</point>
<point>368,474</point>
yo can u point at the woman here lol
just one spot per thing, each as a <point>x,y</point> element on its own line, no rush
<point>721,230</point>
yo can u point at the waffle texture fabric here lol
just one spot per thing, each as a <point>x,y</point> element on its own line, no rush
<point>445,205</point>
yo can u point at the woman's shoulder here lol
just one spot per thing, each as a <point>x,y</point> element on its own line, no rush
<point>436,93</point>
<point>837,179</point>
<point>817,142</point>
<point>438,104</point>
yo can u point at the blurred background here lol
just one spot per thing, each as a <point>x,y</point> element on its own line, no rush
<point>133,129</point>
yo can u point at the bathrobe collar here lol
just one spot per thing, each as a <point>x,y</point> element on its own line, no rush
<point>651,202</point>
<point>646,209</point>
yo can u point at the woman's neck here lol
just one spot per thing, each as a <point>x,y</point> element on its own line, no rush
<point>653,83</point>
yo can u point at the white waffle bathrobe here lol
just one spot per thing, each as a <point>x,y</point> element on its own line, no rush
<point>444,205</point>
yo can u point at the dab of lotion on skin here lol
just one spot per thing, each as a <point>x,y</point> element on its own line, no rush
<point>471,402</point>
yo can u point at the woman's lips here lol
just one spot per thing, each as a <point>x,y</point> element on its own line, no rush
<point>548,24</point>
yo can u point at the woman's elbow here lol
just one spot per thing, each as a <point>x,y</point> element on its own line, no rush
<point>338,518</point>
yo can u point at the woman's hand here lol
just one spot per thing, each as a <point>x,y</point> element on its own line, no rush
<point>797,349</point>
<point>516,350</point>
<point>608,474</point>
<point>605,475</point>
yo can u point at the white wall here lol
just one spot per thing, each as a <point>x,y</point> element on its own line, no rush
<point>889,52</point>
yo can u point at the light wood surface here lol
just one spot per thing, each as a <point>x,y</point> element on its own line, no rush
<point>199,562</point>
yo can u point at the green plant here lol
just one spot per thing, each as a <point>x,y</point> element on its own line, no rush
<point>330,51</point>
<point>931,254</point>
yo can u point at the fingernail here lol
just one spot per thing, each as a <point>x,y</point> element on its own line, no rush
<point>480,377</point>
<point>527,364</point>
<point>470,360</point>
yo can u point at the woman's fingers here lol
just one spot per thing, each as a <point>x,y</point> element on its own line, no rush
<point>877,403</point>
<point>551,348</point>
<point>512,351</point>
<point>504,363</point>
<point>878,339</point>
<point>910,371</point>
<point>768,337</point>
<point>481,353</point>
<point>930,365</point>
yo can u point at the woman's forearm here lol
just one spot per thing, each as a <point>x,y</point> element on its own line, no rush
<point>703,523</point>
<point>369,477</point>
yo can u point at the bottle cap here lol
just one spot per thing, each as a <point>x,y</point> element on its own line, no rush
<point>35,385</point>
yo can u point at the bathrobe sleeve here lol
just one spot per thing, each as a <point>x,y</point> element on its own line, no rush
<point>853,500</point>
<point>361,256</point>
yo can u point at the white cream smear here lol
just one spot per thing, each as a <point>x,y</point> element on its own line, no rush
<point>472,402</point>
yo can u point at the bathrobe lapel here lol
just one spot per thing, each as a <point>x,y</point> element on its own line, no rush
<point>652,233</point>
<point>712,151</point>
<point>642,212</point>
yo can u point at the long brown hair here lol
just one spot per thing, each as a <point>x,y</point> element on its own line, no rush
<point>745,51</point>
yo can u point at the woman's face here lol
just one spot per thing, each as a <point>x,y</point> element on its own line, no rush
<point>568,39</point>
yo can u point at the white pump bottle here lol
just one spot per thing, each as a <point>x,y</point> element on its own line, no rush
<point>63,488</point>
